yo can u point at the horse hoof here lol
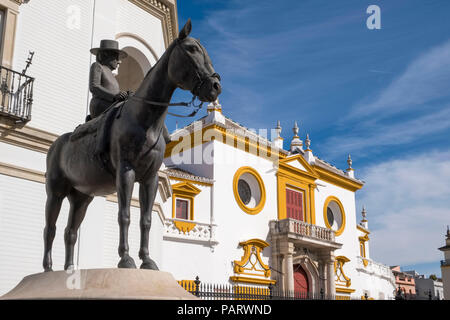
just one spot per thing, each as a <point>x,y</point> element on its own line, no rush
<point>69,267</point>
<point>127,262</point>
<point>49,269</point>
<point>149,264</point>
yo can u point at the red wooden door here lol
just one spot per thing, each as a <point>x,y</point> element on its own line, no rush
<point>294,204</point>
<point>301,284</point>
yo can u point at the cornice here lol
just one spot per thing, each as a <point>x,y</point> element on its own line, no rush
<point>164,10</point>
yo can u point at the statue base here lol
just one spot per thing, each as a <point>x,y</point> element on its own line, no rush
<point>100,284</point>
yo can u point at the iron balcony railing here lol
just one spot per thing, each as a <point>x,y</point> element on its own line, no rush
<point>16,95</point>
<point>445,263</point>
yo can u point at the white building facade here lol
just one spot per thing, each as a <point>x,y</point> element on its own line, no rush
<point>232,206</point>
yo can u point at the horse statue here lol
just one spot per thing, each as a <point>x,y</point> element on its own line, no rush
<point>135,151</point>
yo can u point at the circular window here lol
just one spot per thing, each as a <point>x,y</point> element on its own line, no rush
<point>249,190</point>
<point>334,215</point>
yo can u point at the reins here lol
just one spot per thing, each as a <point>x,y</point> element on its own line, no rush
<point>177,104</point>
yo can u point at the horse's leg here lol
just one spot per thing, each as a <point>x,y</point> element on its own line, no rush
<point>125,182</point>
<point>147,193</point>
<point>79,203</point>
<point>52,208</point>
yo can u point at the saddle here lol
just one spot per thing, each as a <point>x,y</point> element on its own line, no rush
<point>100,128</point>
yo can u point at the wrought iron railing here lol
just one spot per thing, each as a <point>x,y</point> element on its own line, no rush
<point>208,291</point>
<point>16,95</point>
<point>445,263</point>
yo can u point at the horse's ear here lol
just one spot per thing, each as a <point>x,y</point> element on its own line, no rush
<point>186,30</point>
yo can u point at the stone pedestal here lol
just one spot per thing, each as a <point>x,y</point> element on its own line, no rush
<point>100,284</point>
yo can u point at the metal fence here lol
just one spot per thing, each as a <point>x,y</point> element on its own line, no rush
<point>16,94</point>
<point>207,291</point>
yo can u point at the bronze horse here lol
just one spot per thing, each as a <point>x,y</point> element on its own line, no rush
<point>135,152</point>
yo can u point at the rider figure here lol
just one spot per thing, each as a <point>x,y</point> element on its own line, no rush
<point>103,84</point>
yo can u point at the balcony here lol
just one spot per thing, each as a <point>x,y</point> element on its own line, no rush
<point>373,268</point>
<point>445,263</point>
<point>16,95</point>
<point>190,231</point>
<point>303,233</point>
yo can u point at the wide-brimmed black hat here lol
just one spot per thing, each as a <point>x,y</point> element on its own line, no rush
<point>110,45</point>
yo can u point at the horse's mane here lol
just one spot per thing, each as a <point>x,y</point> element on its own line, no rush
<point>169,49</point>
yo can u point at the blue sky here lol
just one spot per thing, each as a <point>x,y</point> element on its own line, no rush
<point>381,95</point>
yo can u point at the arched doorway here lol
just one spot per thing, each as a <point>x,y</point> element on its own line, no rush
<point>132,70</point>
<point>301,283</point>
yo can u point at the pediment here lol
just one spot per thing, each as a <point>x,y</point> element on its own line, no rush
<point>186,187</point>
<point>297,164</point>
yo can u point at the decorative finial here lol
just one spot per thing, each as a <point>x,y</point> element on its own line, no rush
<point>295,129</point>
<point>349,161</point>
<point>278,125</point>
<point>307,142</point>
<point>278,128</point>
<point>364,213</point>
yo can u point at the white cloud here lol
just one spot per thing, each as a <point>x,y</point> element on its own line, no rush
<point>408,207</point>
<point>400,132</point>
<point>425,79</point>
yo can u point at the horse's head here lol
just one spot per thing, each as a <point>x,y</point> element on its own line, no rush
<point>190,67</point>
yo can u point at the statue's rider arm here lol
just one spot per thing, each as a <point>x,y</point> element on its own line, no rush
<point>95,84</point>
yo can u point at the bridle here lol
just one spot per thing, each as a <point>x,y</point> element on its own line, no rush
<point>199,81</point>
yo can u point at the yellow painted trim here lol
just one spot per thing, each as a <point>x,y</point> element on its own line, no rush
<point>214,132</point>
<point>342,297</point>
<point>185,191</point>
<point>307,187</point>
<point>364,239</point>
<point>325,206</point>
<point>284,163</point>
<point>192,181</point>
<point>339,266</point>
<point>362,229</point>
<point>345,290</point>
<point>365,262</point>
<point>184,226</point>
<point>252,280</point>
<point>337,180</point>
<point>252,246</point>
<point>191,205</point>
<point>262,189</point>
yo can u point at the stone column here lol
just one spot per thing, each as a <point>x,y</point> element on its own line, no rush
<point>287,251</point>
<point>327,262</point>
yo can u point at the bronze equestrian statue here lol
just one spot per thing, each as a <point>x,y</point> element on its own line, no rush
<point>135,151</point>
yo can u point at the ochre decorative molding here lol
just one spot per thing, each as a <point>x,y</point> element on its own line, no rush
<point>164,10</point>
<point>252,280</point>
<point>341,278</point>
<point>251,268</point>
<point>184,226</point>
